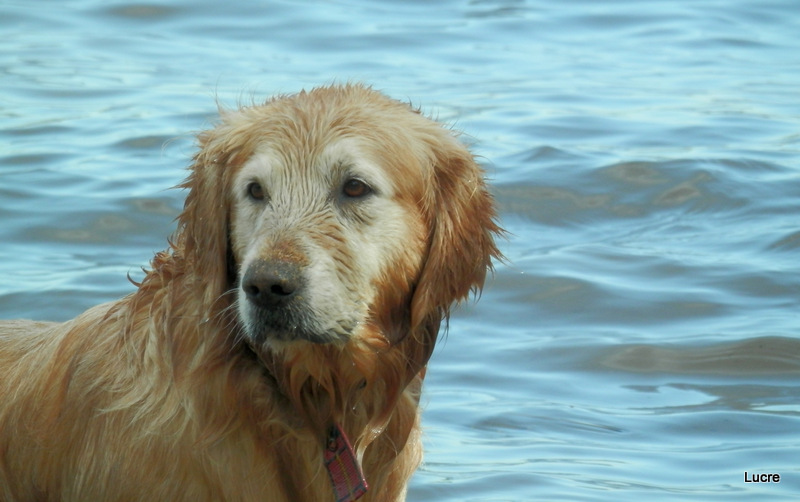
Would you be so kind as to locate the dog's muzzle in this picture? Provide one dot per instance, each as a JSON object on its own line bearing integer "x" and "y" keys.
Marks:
{"x": 278, "y": 304}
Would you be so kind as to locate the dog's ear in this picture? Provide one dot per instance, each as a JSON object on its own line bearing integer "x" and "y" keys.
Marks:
{"x": 462, "y": 230}
{"x": 202, "y": 239}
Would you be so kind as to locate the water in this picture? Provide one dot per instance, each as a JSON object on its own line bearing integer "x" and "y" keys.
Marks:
{"x": 641, "y": 341}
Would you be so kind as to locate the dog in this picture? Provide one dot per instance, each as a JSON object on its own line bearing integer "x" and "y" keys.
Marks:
{"x": 275, "y": 351}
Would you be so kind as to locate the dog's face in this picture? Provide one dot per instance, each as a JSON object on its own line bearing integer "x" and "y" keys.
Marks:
{"x": 317, "y": 225}
{"x": 344, "y": 213}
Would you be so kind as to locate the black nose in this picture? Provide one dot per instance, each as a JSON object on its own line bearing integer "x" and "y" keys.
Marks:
{"x": 272, "y": 283}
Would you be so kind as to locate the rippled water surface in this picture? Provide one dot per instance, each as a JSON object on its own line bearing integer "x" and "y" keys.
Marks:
{"x": 641, "y": 341}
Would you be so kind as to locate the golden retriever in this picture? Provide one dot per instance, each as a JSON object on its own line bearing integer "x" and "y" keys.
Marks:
{"x": 276, "y": 350}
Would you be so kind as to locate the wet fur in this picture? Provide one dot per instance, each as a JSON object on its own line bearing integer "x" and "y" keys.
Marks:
{"x": 164, "y": 395}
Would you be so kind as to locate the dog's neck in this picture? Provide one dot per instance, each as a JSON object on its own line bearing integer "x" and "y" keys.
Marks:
{"x": 329, "y": 391}
{"x": 323, "y": 385}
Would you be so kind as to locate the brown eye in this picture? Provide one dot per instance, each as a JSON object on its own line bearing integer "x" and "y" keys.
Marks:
{"x": 255, "y": 191}
{"x": 355, "y": 188}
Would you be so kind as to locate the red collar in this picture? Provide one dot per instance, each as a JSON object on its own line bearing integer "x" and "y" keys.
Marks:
{"x": 346, "y": 475}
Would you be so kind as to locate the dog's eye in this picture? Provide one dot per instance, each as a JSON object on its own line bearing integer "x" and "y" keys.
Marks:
{"x": 355, "y": 188}
{"x": 255, "y": 191}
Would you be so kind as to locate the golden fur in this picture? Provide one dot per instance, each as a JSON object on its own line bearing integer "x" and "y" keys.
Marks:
{"x": 183, "y": 391}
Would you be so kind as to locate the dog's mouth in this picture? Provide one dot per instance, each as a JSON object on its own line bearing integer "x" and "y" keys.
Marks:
{"x": 286, "y": 324}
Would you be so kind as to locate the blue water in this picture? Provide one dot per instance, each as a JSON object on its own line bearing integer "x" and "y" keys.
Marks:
{"x": 640, "y": 343}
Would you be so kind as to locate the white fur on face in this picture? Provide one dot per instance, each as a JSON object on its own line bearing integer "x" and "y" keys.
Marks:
{"x": 342, "y": 245}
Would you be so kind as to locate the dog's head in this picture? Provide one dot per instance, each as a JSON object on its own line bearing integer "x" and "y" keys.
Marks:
{"x": 336, "y": 218}
{"x": 332, "y": 210}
